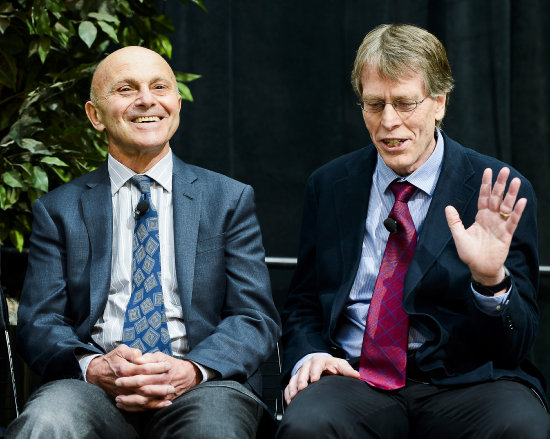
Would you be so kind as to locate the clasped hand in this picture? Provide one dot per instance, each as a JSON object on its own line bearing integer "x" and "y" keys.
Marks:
{"x": 142, "y": 382}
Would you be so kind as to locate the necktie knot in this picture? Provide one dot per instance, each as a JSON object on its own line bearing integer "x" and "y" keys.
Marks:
{"x": 403, "y": 191}
{"x": 142, "y": 182}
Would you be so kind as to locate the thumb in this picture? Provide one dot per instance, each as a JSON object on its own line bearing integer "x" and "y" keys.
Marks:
{"x": 453, "y": 220}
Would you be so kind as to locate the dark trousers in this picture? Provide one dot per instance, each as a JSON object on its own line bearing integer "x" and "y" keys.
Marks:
{"x": 343, "y": 407}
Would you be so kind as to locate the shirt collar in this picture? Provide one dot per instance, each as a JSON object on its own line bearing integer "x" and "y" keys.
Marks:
{"x": 120, "y": 174}
{"x": 424, "y": 178}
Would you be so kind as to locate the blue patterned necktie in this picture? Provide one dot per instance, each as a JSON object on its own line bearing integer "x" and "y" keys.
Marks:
{"x": 145, "y": 325}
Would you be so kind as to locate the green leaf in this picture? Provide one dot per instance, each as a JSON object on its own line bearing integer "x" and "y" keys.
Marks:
{"x": 186, "y": 77}
{"x": 65, "y": 177}
{"x": 40, "y": 179}
{"x": 27, "y": 167}
{"x": 109, "y": 30}
{"x": 34, "y": 194}
{"x": 87, "y": 32}
{"x": 2, "y": 197}
{"x": 200, "y": 4}
{"x": 162, "y": 45}
{"x": 54, "y": 161}
{"x": 34, "y": 146}
{"x": 43, "y": 48}
{"x": 185, "y": 93}
{"x": 42, "y": 22}
{"x": 4, "y": 24}
{"x": 25, "y": 125}
{"x": 12, "y": 195}
{"x": 60, "y": 29}
{"x": 6, "y": 8}
{"x": 13, "y": 178}
{"x": 124, "y": 8}
{"x": 102, "y": 16}
{"x": 17, "y": 239}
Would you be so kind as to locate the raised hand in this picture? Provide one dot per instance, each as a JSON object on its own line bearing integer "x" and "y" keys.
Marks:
{"x": 484, "y": 246}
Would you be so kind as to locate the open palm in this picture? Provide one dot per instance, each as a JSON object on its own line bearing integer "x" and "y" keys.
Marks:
{"x": 485, "y": 244}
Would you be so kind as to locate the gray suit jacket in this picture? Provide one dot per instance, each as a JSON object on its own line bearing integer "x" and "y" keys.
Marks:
{"x": 232, "y": 324}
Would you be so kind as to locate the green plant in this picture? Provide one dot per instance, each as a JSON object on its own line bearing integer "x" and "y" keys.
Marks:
{"x": 48, "y": 52}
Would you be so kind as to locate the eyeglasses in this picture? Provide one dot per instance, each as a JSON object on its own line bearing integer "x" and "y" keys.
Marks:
{"x": 401, "y": 105}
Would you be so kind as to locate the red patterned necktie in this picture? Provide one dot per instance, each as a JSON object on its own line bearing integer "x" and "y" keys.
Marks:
{"x": 384, "y": 352}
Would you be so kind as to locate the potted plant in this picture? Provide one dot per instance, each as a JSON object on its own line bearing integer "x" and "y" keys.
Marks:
{"x": 48, "y": 52}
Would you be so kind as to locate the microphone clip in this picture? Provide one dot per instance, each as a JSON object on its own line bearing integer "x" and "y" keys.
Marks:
{"x": 141, "y": 209}
{"x": 391, "y": 225}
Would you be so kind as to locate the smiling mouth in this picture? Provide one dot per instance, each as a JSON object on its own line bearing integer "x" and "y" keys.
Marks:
{"x": 147, "y": 119}
{"x": 392, "y": 143}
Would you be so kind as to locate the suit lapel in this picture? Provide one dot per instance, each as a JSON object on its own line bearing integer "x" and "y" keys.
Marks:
{"x": 454, "y": 188}
{"x": 351, "y": 199}
{"x": 98, "y": 219}
{"x": 187, "y": 203}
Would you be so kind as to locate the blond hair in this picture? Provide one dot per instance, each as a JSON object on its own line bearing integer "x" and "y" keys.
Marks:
{"x": 400, "y": 50}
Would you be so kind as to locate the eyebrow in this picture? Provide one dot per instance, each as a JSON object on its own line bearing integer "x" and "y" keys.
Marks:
{"x": 134, "y": 81}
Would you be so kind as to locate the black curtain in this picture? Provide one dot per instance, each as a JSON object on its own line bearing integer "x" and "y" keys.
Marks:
{"x": 275, "y": 102}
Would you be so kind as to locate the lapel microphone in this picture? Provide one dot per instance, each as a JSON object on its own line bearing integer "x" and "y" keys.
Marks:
{"x": 142, "y": 208}
{"x": 391, "y": 225}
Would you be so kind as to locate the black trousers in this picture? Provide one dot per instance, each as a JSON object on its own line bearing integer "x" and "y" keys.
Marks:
{"x": 343, "y": 407}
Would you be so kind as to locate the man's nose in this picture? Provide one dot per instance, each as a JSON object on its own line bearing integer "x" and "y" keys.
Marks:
{"x": 390, "y": 117}
{"x": 145, "y": 97}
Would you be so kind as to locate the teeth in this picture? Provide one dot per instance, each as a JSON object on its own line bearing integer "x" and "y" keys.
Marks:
{"x": 147, "y": 119}
{"x": 393, "y": 142}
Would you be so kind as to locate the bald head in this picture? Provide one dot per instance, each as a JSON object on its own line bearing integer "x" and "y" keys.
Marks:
{"x": 135, "y": 101}
{"x": 131, "y": 57}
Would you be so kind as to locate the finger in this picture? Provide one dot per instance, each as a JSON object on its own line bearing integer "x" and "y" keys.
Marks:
{"x": 132, "y": 369}
{"x": 507, "y": 205}
{"x": 514, "y": 218}
{"x": 453, "y": 221}
{"x": 302, "y": 376}
{"x": 127, "y": 352}
{"x": 137, "y": 381}
{"x": 498, "y": 189}
{"x": 156, "y": 357}
{"x": 291, "y": 389}
{"x": 485, "y": 189}
{"x": 318, "y": 367}
{"x": 345, "y": 369}
{"x": 138, "y": 403}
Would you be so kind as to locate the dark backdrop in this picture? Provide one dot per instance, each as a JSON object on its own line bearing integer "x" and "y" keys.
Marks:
{"x": 275, "y": 102}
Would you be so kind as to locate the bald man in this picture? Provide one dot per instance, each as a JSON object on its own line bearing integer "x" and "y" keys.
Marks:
{"x": 184, "y": 361}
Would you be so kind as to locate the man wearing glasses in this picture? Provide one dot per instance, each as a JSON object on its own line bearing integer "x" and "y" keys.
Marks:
{"x": 413, "y": 306}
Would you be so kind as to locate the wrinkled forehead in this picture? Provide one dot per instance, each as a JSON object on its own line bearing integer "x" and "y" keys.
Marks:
{"x": 373, "y": 76}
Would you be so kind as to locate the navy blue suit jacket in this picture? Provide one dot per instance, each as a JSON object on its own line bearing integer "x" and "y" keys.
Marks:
{"x": 464, "y": 345}
{"x": 232, "y": 324}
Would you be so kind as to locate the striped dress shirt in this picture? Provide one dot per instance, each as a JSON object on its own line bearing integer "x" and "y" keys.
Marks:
{"x": 349, "y": 334}
{"x": 107, "y": 331}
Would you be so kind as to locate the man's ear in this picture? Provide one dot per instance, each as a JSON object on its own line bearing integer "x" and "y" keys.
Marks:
{"x": 440, "y": 106}
{"x": 94, "y": 116}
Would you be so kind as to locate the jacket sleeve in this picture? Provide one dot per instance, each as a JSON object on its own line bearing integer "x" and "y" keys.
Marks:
{"x": 235, "y": 325}
{"x": 46, "y": 333}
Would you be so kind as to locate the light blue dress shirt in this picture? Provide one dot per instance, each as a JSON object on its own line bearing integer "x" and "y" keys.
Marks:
{"x": 349, "y": 334}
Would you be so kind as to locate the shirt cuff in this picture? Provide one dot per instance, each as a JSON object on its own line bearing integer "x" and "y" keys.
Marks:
{"x": 304, "y": 359}
{"x": 491, "y": 305}
{"x": 207, "y": 373}
{"x": 84, "y": 361}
